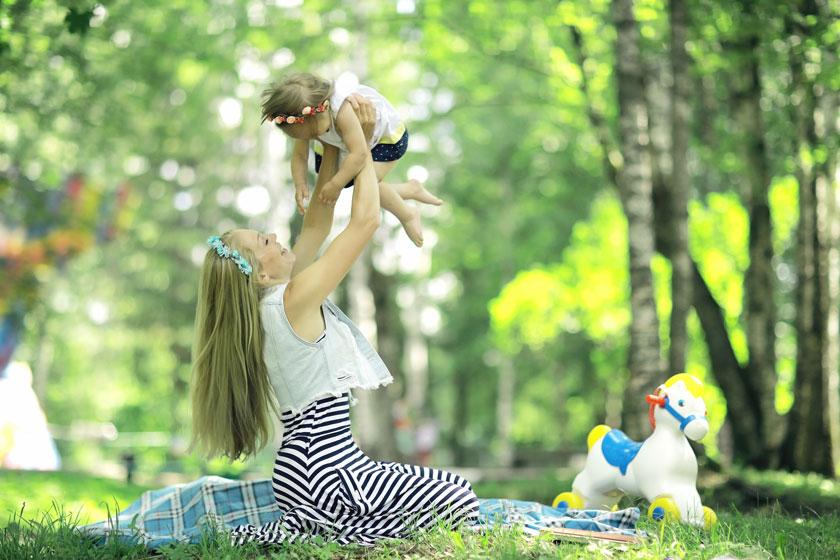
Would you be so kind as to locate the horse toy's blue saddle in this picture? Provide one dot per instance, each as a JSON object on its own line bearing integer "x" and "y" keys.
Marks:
{"x": 619, "y": 450}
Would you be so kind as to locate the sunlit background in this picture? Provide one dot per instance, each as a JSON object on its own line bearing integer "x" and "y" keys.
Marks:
{"x": 130, "y": 132}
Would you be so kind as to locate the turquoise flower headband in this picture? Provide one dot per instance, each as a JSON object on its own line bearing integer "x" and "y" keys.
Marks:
{"x": 224, "y": 251}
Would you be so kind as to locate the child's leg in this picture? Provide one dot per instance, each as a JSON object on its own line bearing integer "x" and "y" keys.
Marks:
{"x": 410, "y": 190}
{"x": 391, "y": 200}
{"x": 414, "y": 190}
{"x": 408, "y": 216}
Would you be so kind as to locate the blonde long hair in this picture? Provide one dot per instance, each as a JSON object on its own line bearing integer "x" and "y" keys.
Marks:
{"x": 232, "y": 398}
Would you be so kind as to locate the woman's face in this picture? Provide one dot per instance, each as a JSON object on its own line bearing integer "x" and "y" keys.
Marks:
{"x": 276, "y": 261}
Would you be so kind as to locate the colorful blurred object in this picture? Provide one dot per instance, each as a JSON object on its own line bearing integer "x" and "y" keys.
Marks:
{"x": 55, "y": 225}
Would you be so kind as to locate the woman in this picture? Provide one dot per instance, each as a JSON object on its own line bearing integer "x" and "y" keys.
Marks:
{"x": 267, "y": 339}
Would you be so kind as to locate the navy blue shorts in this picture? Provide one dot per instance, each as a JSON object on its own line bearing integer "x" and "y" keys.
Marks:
{"x": 380, "y": 152}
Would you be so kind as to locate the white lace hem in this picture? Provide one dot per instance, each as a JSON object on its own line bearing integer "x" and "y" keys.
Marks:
{"x": 295, "y": 410}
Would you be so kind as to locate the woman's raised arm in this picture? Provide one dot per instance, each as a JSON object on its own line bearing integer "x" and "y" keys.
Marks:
{"x": 318, "y": 219}
{"x": 311, "y": 286}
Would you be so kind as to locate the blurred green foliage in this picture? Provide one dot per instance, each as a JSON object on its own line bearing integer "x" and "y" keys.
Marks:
{"x": 530, "y": 248}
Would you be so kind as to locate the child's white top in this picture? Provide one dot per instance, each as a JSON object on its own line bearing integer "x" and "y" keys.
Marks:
{"x": 301, "y": 372}
{"x": 388, "y": 129}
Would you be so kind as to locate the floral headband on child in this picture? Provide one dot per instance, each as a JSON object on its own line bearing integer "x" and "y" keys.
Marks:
{"x": 224, "y": 251}
{"x": 308, "y": 110}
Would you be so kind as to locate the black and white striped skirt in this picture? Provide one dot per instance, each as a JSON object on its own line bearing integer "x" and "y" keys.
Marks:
{"x": 327, "y": 487}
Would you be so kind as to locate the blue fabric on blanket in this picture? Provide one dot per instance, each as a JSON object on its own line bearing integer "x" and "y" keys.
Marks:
{"x": 533, "y": 517}
{"x": 179, "y": 514}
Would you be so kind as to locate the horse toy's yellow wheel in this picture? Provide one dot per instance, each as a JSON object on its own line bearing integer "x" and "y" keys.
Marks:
{"x": 664, "y": 508}
{"x": 709, "y": 517}
{"x": 569, "y": 500}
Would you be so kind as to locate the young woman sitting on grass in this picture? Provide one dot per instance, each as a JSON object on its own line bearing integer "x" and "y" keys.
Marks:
{"x": 268, "y": 341}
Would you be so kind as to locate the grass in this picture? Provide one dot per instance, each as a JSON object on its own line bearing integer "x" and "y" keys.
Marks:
{"x": 79, "y": 493}
{"x": 49, "y": 529}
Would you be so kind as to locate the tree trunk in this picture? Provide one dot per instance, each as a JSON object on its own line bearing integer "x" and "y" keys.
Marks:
{"x": 728, "y": 373}
{"x": 415, "y": 359}
{"x": 460, "y": 415}
{"x": 730, "y": 376}
{"x": 704, "y": 131}
{"x": 375, "y": 428}
{"x": 827, "y": 183}
{"x": 634, "y": 181}
{"x": 658, "y": 102}
{"x": 506, "y": 387}
{"x": 741, "y": 403}
{"x": 805, "y": 446}
{"x": 681, "y": 277}
{"x": 390, "y": 337}
{"x": 759, "y": 307}
{"x": 374, "y": 408}
{"x": 504, "y": 410}
{"x": 611, "y": 156}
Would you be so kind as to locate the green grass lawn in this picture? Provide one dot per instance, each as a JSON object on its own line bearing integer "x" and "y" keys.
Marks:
{"x": 78, "y": 493}
{"x": 762, "y": 515}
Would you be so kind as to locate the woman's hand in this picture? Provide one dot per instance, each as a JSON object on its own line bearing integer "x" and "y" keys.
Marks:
{"x": 366, "y": 113}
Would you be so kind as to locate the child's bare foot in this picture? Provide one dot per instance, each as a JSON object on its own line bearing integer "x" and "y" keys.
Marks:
{"x": 412, "y": 226}
{"x": 415, "y": 190}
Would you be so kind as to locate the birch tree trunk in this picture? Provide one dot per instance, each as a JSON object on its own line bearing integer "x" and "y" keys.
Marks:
{"x": 634, "y": 181}
{"x": 759, "y": 281}
{"x": 808, "y": 431}
{"x": 729, "y": 374}
{"x": 374, "y": 409}
{"x": 727, "y": 371}
{"x": 827, "y": 181}
{"x": 681, "y": 277}
{"x": 828, "y": 187}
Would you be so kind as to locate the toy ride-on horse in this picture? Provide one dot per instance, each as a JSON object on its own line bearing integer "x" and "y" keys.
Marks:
{"x": 662, "y": 469}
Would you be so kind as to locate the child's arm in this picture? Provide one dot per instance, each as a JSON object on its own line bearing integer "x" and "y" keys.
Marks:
{"x": 350, "y": 129}
{"x": 300, "y": 161}
{"x": 318, "y": 219}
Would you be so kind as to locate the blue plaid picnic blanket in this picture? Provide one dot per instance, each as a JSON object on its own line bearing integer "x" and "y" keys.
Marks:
{"x": 181, "y": 513}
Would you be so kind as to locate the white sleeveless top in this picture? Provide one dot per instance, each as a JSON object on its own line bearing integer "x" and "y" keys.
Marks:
{"x": 388, "y": 129}
{"x": 301, "y": 372}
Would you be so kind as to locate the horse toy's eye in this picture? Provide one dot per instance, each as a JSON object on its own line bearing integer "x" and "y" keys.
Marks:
{"x": 681, "y": 402}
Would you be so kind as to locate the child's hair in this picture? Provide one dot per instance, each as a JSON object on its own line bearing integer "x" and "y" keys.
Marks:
{"x": 290, "y": 95}
{"x": 232, "y": 398}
